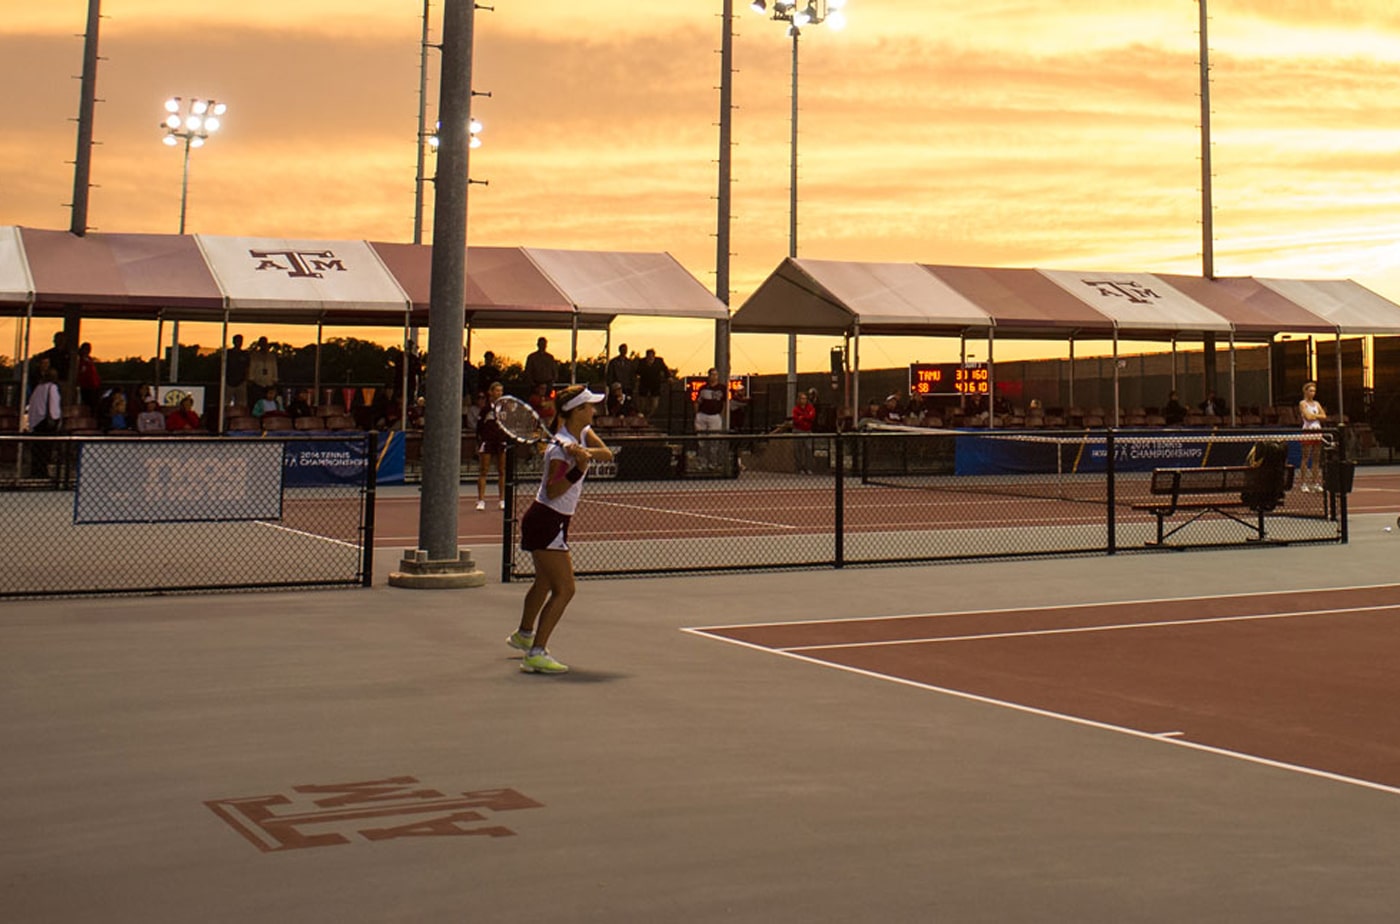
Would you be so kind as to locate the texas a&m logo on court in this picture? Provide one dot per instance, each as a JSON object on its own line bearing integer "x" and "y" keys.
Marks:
{"x": 1134, "y": 292}
{"x": 332, "y": 814}
{"x": 305, "y": 264}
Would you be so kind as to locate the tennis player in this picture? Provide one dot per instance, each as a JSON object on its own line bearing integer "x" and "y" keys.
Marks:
{"x": 1312, "y": 414}
{"x": 544, "y": 529}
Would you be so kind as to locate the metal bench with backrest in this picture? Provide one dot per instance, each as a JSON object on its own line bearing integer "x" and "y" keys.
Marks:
{"x": 1242, "y": 493}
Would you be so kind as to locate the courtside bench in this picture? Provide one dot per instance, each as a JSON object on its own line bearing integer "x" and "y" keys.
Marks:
{"x": 1242, "y": 493}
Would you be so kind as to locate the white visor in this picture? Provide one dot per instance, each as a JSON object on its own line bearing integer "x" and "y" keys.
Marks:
{"x": 583, "y": 397}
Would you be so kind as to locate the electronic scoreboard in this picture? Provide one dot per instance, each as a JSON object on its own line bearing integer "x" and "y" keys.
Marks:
{"x": 949, "y": 379}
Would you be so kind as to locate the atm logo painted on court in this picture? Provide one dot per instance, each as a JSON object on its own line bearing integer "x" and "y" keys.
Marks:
{"x": 334, "y": 814}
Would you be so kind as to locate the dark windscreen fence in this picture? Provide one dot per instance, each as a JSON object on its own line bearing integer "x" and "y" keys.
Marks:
{"x": 733, "y": 502}
{"x": 109, "y": 515}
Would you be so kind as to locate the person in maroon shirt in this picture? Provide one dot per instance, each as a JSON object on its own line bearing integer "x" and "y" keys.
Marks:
{"x": 804, "y": 417}
{"x": 183, "y": 417}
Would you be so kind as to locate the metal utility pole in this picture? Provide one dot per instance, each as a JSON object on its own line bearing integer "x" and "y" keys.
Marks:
{"x": 1207, "y": 207}
{"x": 82, "y": 181}
{"x": 87, "y": 106}
{"x": 438, "y": 562}
{"x": 726, "y": 152}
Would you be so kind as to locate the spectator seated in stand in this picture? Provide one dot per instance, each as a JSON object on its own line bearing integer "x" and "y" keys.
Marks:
{"x": 618, "y": 404}
{"x": 116, "y": 419}
{"x": 301, "y": 404}
{"x": 151, "y": 420}
{"x": 542, "y": 401}
{"x": 183, "y": 417}
{"x": 269, "y": 403}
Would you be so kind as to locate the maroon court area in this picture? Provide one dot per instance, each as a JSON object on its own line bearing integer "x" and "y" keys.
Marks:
{"x": 1305, "y": 679}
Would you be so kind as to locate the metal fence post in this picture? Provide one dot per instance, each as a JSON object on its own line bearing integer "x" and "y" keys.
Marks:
{"x": 1111, "y": 515}
{"x": 840, "y": 469}
{"x": 508, "y": 521}
{"x": 371, "y": 482}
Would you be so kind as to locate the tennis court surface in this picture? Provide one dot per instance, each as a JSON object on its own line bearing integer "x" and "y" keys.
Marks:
{"x": 375, "y": 755}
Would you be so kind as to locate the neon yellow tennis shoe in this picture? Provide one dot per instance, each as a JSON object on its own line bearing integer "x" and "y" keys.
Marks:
{"x": 542, "y": 663}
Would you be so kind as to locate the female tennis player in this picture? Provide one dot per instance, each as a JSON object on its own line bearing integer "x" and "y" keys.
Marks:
{"x": 1310, "y": 410}
{"x": 544, "y": 529}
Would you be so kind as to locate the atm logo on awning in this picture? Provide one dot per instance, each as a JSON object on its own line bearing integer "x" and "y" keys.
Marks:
{"x": 303, "y": 264}
{"x": 1134, "y": 292}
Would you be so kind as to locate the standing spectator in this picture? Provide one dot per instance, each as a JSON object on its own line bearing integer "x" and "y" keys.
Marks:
{"x": 709, "y": 418}
{"x": 804, "y": 417}
{"x": 470, "y": 387}
{"x": 651, "y": 377}
{"x": 262, "y": 367}
{"x": 89, "y": 382}
{"x": 489, "y": 373}
{"x": 542, "y": 400}
{"x": 236, "y": 373}
{"x": 490, "y": 444}
{"x": 622, "y": 370}
{"x": 45, "y": 417}
{"x": 57, "y": 358}
{"x": 540, "y": 367}
{"x": 183, "y": 417}
{"x": 269, "y": 403}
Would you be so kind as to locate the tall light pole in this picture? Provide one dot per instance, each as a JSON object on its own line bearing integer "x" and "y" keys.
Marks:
{"x": 193, "y": 126}
{"x": 797, "y": 16}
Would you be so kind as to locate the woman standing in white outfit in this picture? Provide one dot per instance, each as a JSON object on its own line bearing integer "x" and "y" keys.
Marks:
{"x": 1310, "y": 410}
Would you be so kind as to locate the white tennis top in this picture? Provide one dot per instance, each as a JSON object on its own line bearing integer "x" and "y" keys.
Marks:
{"x": 1312, "y": 407}
{"x": 567, "y": 502}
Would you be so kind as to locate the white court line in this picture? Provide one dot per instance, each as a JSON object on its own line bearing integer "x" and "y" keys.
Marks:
{"x": 690, "y": 513}
{"x": 1116, "y": 627}
{"x": 1073, "y": 720}
{"x": 1055, "y": 606}
{"x": 288, "y": 529}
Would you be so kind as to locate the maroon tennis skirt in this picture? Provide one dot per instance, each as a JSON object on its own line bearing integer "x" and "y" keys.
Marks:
{"x": 544, "y": 528}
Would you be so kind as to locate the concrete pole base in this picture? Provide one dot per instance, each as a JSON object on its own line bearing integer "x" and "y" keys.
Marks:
{"x": 418, "y": 572}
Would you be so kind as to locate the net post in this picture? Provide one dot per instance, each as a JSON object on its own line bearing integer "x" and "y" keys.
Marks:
{"x": 371, "y": 484}
{"x": 1110, "y": 515}
{"x": 839, "y": 468}
{"x": 508, "y": 521}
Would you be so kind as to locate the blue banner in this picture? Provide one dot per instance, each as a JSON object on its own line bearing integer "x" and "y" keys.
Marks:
{"x": 390, "y": 464}
{"x": 307, "y": 463}
{"x": 1088, "y": 452}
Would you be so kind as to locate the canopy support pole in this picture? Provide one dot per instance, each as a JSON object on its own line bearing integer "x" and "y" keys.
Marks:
{"x": 1270, "y": 377}
{"x": 573, "y": 351}
{"x": 24, "y": 383}
{"x": 1173, "y": 362}
{"x": 316, "y": 373}
{"x": 1117, "y": 393}
{"x": 1340, "y": 408}
{"x": 1071, "y": 372}
{"x": 160, "y": 338}
{"x": 407, "y": 360}
{"x": 223, "y": 374}
{"x": 1234, "y": 411}
{"x": 855, "y": 373}
{"x": 991, "y": 382}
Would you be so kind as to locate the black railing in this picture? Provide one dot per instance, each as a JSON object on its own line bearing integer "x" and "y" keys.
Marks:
{"x": 746, "y": 502}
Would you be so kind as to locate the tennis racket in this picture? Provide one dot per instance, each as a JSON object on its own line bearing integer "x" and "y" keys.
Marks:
{"x": 519, "y": 421}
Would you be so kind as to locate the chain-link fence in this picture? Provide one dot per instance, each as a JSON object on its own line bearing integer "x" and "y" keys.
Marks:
{"x": 728, "y": 502}
{"x": 143, "y": 514}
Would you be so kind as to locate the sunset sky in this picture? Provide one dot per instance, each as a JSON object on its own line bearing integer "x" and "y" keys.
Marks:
{"x": 1050, "y": 134}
